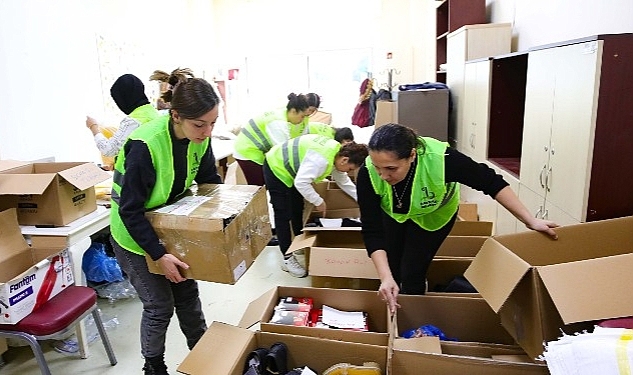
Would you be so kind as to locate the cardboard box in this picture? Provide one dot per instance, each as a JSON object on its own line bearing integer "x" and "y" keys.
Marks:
{"x": 218, "y": 230}
{"x": 261, "y": 311}
{"x": 340, "y": 252}
{"x": 49, "y": 193}
{"x": 29, "y": 276}
{"x": 339, "y": 203}
{"x": 386, "y": 112}
{"x": 450, "y": 358}
{"x": 540, "y": 286}
{"x": 344, "y": 283}
{"x": 468, "y": 212}
{"x": 223, "y": 350}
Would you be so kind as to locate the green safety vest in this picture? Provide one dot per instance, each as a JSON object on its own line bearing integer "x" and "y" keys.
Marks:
{"x": 253, "y": 141}
{"x": 433, "y": 201}
{"x": 156, "y": 136}
{"x": 144, "y": 113}
{"x": 284, "y": 159}
{"x": 321, "y": 128}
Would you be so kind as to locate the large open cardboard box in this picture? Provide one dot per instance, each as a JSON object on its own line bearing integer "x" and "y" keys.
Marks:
{"x": 49, "y": 193}
{"x": 223, "y": 350}
{"x": 218, "y": 230}
{"x": 29, "y": 276}
{"x": 261, "y": 311}
{"x": 540, "y": 286}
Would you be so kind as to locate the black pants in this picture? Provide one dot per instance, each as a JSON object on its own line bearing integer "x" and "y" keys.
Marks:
{"x": 410, "y": 250}
{"x": 287, "y": 205}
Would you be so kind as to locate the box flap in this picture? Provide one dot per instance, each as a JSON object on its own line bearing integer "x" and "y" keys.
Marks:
{"x": 18, "y": 184}
{"x": 472, "y": 228}
{"x": 84, "y": 175}
{"x": 591, "y": 289}
{"x": 467, "y": 212}
{"x": 256, "y": 309}
{"x": 495, "y": 272}
{"x": 429, "y": 344}
{"x": 11, "y": 239}
{"x": 10, "y": 164}
{"x": 218, "y": 351}
{"x": 302, "y": 241}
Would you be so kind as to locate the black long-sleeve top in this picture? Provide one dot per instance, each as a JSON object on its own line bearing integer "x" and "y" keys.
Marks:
{"x": 140, "y": 179}
{"x": 457, "y": 168}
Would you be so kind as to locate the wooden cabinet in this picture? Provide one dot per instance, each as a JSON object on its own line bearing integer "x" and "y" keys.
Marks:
{"x": 450, "y": 16}
{"x": 475, "y": 110}
{"x": 469, "y": 43}
{"x": 577, "y": 139}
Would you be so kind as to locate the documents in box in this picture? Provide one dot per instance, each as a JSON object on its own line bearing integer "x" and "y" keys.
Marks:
{"x": 218, "y": 230}
{"x": 540, "y": 286}
{"x": 28, "y": 276}
{"x": 49, "y": 193}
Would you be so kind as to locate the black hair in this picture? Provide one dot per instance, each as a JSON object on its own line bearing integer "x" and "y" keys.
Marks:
{"x": 193, "y": 98}
{"x": 297, "y": 102}
{"x": 343, "y": 134}
{"x": 314, "y": 100}
{"x": 356, "y": 152}
{"x": 395, "y": 138}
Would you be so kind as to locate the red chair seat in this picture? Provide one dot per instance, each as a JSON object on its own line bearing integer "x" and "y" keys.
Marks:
{"x": 57, "y": 313}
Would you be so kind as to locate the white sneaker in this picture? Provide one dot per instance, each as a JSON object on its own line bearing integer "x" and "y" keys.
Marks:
{"x": 292, "y": 266}
{"x": 300, "y": 255}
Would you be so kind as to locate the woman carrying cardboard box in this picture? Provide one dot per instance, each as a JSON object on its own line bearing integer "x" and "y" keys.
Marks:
{"x": 159, "y": 162}
{"x": 408, "y": 194}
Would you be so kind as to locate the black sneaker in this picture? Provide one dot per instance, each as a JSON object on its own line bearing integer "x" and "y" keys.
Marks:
{"x": 273, "y": 241}
{"x": 155, "y": 369}
{"x": 256, "y": 362}
{"x": 276, "y": 360}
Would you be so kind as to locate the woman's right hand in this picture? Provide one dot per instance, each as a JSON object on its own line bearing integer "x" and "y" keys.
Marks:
{"x": 169, "y": 265}
{"x": 321, "y": 208}
{"x": 389, "y": 291}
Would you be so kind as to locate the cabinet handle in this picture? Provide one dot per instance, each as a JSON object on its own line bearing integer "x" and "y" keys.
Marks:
{"x": 471, "y": 140}
{"x": 548, "y": 177}
{"x": 540, "y": 176}
{"x": 538, "y": 213}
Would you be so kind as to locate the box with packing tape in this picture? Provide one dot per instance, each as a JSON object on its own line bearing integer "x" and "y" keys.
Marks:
{"x": 218, "y": 230}
{"x": 29, "y": 276}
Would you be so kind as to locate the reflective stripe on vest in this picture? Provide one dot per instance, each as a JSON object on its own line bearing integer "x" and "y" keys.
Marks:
{"x": 264, "y": 145}
{"x": 292, "y": 169}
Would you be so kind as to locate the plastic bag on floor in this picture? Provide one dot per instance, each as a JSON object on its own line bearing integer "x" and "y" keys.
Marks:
{"x": 98, "y": 266}
{"x": 70, "y": 345}
{"x": 116, "y": 290}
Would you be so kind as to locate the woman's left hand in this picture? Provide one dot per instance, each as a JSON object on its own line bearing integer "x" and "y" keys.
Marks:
{"x": 544, "y": 226}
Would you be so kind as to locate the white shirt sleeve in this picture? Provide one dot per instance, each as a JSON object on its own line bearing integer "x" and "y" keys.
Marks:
{"x": 278, "y": 131}
{"x": 111, "y": 147}
{"x": 345, "y": 183}
{"x": 312, "y": 166}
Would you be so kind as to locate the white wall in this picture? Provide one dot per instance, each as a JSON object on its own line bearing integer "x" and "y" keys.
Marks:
{"x": 50, "y": 72}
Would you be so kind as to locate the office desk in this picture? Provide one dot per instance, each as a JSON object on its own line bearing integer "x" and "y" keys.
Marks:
{"x": 77, "y": 235}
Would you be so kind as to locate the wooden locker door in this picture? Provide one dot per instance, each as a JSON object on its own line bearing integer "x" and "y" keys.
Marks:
{"x": 539, "y": 99}
{"x": 573, "y": 126}
{"x": 481, "y": 111}
{"x": 468, "y": 103}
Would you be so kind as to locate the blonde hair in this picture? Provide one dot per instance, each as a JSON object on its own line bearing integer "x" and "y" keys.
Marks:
{"x": 174, "y": 78}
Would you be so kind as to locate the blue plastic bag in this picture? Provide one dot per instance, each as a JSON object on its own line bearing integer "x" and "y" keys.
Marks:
{"x": 99, "y": 267}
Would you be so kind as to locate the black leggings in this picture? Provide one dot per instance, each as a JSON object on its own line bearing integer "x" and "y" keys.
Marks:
{"x": 410, "y": 250}
{"x": 287, "y": 206}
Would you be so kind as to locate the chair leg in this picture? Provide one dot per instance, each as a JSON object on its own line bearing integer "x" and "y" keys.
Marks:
{"x": 104, "y": 336}
{"x": 35, "y": 347}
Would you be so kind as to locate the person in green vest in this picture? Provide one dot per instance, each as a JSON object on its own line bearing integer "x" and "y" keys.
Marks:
{"x": 290, "y": 169}
{"x": 408, "y": 194}
{"x": 342, "y": 135}
{"x": 128, "y": 93}
{"x": 157, "y": 164}
{"x": 261, "y": 133}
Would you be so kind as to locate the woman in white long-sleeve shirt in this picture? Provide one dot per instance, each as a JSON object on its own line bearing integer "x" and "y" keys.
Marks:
{"x": 128, "y": 92}
{"x": 290, "y": 169}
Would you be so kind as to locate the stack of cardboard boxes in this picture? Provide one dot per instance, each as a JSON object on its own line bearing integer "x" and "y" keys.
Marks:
{"x": 529, "y": 288}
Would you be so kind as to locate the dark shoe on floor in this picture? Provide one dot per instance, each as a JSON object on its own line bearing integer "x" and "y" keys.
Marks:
{"x": 256, "y": 362}
{"x": 276, "y": 359}
{"x": 155, "y": 368}
{"x": 273, "y": 241}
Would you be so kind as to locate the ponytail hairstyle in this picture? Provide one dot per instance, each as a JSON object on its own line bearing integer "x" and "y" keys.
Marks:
{"x": 356, "y": 152}
{"x": 297, "y": 102}
{"x": 177, "y": 76}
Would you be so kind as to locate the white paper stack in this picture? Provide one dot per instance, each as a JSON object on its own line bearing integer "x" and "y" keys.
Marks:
{"x": 606, "y": 351}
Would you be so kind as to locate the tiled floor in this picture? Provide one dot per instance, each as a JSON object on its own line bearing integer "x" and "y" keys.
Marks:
{"x": 225, "y": 303}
